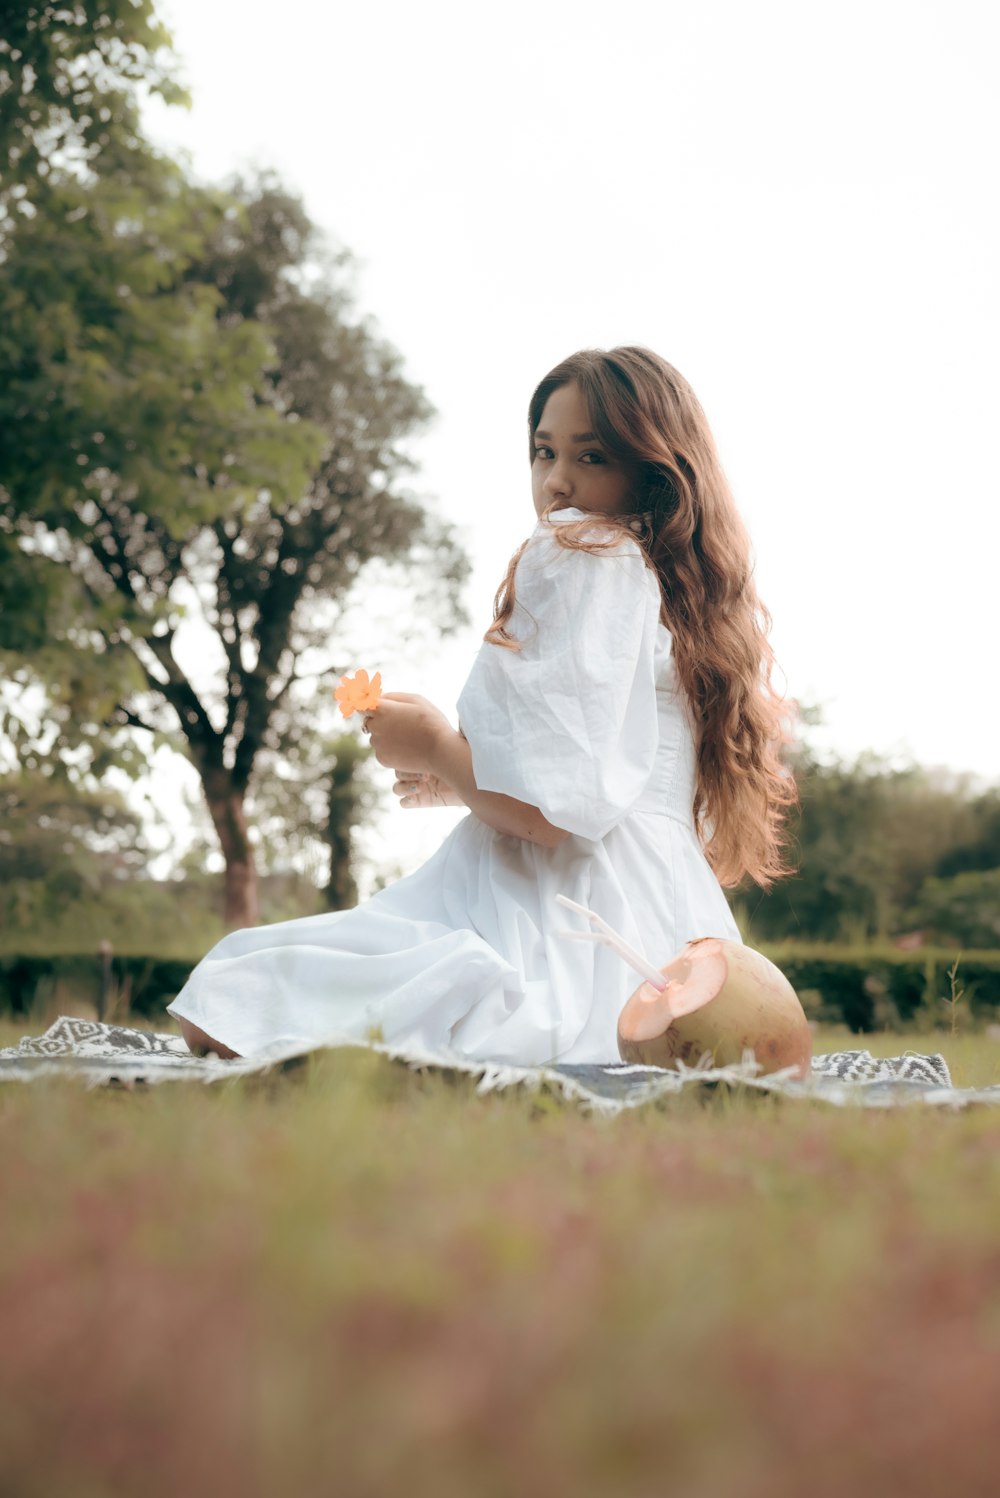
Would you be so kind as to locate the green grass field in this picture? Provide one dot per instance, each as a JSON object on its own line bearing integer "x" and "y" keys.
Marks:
{"x": 351, "y": 1278}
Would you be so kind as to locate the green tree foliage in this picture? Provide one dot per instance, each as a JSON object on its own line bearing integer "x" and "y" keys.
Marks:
{"x": 59, "y": 845}
{"x": 69, "y": 76}
{"x": 74, "y": 871}
{"x": 866, "y": 838}
{"x": 964, "y": 908}
{"x": 69, "y": 80}
{"x": 979, "y": 848}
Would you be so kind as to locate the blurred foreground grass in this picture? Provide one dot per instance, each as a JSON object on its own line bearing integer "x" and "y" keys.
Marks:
{"x": 351, "y": 1278}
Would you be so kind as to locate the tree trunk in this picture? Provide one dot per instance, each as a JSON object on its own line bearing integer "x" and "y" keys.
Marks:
{"x": 341, "y": 889}
{"x": 225, "y": 804}
{"x": 343, "y": 812}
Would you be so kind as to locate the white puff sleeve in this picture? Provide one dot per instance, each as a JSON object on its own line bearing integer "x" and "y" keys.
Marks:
{"x": 568, "y": 722}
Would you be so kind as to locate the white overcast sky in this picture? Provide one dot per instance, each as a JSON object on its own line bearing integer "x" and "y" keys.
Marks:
{"x": 795, "y": 204}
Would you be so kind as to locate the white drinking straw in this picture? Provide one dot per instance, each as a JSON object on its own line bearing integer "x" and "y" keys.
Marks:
{"x": 608, "y": 937}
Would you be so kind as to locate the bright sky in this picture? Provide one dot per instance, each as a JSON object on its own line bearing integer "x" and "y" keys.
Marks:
{"x": 793, "y": 204}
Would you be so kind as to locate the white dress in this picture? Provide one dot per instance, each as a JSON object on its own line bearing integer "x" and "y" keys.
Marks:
{"x": 463, "y": 956}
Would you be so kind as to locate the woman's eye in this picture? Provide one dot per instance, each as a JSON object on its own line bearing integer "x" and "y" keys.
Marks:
{"x": 546, "y": 452}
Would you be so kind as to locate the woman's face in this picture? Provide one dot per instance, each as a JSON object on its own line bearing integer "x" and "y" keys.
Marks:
{"x": 571, "y": 466}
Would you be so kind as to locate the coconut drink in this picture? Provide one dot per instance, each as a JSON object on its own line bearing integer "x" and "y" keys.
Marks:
{"x": 721, "y": 997}
{"x": 717, "y": 998}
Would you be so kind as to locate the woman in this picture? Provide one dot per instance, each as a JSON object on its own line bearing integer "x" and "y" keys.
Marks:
{"x": 619, "y": 743}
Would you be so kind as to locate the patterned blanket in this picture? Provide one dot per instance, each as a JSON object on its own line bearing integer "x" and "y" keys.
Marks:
{"x": 113, "y": 1054}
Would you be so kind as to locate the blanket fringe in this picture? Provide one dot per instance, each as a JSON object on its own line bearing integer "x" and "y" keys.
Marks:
{"x": 101, "y": 1053}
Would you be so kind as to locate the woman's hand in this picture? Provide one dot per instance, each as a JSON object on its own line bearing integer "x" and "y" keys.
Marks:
{"x": 420, "y": 788}
{"x": 406, "y": 730}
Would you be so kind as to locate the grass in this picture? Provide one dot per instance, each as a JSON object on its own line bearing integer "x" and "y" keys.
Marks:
{"x": 351, "y": 1278}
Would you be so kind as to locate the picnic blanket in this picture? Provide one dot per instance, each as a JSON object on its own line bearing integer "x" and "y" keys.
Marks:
{"x": 103, "y": 1054}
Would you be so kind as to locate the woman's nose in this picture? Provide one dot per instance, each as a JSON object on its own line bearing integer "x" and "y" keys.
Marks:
{"x": 557, "y": 481}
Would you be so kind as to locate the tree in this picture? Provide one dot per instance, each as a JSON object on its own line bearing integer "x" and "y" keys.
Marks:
{"x": 164, "y": 464}
{"x": 867, "y": 836}
{"x": 58, "y": 843}
{"x": 347, "y": 800}
{"x": 979, "y": 848}
{"x": 130, "y": 424}
{"x": 273, "y": 267}
{"x": 964, "y": 909}
{"x": 306, "y": 809}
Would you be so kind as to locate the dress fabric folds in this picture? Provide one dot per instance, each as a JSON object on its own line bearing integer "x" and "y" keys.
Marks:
{"x": 464, "y": 957}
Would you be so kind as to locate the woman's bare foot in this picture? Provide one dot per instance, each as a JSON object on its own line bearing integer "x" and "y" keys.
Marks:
{"x": 201, "y": 1044}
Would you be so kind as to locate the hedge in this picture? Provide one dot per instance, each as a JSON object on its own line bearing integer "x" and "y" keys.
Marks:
{"x": 142, "y": 986}
{"x": 866, "y": 990}
{"x": 885, "y": 988}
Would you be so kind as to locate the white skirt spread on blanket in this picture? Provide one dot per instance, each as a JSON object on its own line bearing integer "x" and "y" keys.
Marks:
{"x": 586, "y": 722}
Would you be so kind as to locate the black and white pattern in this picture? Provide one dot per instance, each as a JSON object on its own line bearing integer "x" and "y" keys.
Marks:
{"x": 85, "y": 1038}
{"x": 862, "y": 1066}
{"x": 103, "y": 1054}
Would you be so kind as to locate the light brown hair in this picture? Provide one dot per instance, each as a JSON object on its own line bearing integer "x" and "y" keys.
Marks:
{"x": 692, "y": 536}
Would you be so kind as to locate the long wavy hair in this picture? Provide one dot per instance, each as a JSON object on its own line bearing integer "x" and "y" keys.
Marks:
{"x": 692, "y": 537}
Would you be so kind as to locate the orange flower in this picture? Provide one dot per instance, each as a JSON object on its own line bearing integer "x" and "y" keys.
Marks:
{"x": 356, "y": 694}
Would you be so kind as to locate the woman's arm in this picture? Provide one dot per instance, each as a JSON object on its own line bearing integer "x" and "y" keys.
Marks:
{"x": 409, "y": 730}
{"x": 451, "y": 757}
